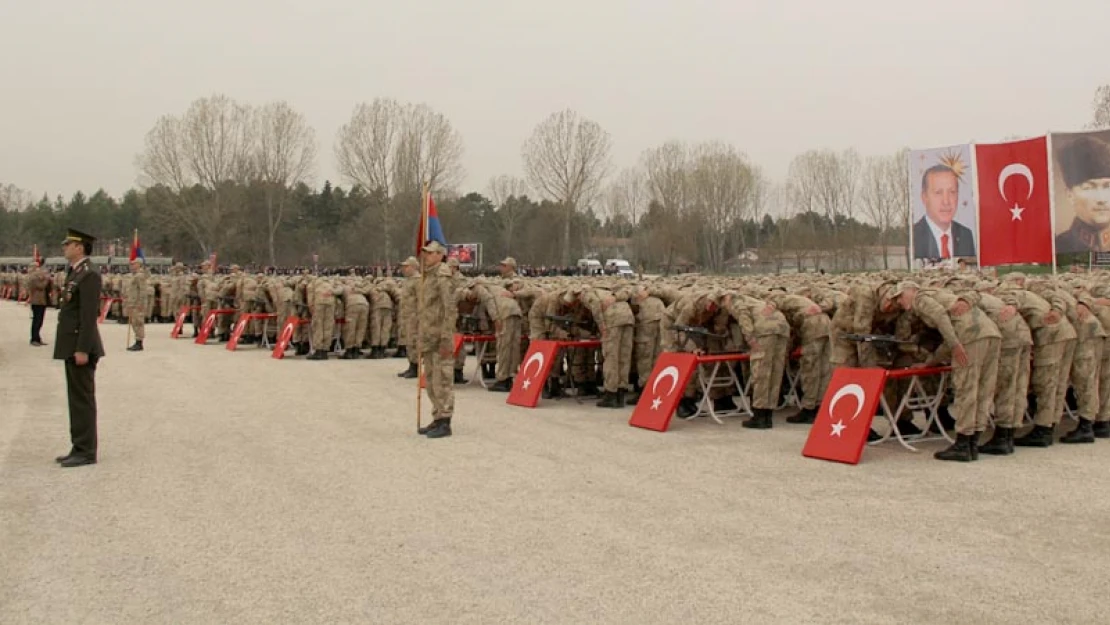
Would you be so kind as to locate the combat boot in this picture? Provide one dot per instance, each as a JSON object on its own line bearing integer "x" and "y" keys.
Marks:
{"x": 318, "y": 354}
{"x": 633, "y": 397}
{"x": 409, "y": 373}
{"x": 301, "y": 349}
{"x": 687, "y": 407}
{"x": 960, "y": 451}
{"x": 1083, "y": 433}
{"x": 402, "y": 352}
{"x": 424, "y": 429}
{"x": 609, "y": 400}
{"x": 502, "y": 386}
{"x": 1039, "y": 436}
{"x": 553, "y": 389}
{"x": 1101, "y": 429}
{"x": 973, "y": 445}
{"x": 1001, "y": 444}
{"x": 724, "y": 404}
{"x": 348, "y": 354}
{"x": 137, "y": 347}
{"x": 760, "y": 419}
{"x": 588, "y": 389}
{"x": 805, "y": 416}
{"x": 440, "y": 428}
{"x": 459, "y": 379}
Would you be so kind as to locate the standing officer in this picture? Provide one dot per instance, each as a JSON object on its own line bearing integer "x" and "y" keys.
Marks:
{"x": 38, "y": 283}
{"x": 438, "y": 311}
{"x": 134, "y": 303}
{"x": 78, "y": 344}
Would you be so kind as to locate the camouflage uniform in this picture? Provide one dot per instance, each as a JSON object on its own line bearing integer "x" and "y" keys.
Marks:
{"x": 134, "y": 300}
{"x": 767, "y": 334}
{"x": 811, "y": 327}
{"x": 438, "y": 313}
{"x": 615, "y": 323}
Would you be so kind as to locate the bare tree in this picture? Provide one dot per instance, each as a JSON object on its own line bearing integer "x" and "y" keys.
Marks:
{"x": 13, "y": 198}
{"x": 1100, "y": 109}
{"x": 879, "y": 200}
{"x": 503, "y": 190}
{"x": 395, "y": 149}
{"x": 212, "y": 144}
{"x": 624, "y": 200}
{"x": 565, "y": 159}
{"x": 720, "y": 183}
{"x": 899, "y": 186}
{"x": 285, "y": 155}
{"x": 666, "y": 171}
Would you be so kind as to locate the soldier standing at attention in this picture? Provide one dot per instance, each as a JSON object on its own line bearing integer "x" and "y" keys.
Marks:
{"x": 407, "y": 317}
{"x": 438, "y": 311}
{"x": 134, "y": 301}
{"x": 38, "y": 283}
{"x": 78, "y": 344}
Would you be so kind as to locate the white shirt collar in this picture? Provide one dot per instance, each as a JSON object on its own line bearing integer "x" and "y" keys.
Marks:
{"x": 937, "y": 231}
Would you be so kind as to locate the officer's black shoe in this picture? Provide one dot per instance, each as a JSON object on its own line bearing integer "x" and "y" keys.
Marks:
{"x": 687, "y": 407}
{"x": 77, "y": 461}
{"x": 805, "y": 416}
{"x": 401, "y": 352}
{"x": 459, "y": 379}
{"x": 1001, "y": 444}
{"x": 440, "y": 429}
{"x": 36, "y": 343}
{"x": 409, "y": 373}
{"x": 960, "y": 451}
{"x": 1039, "y": 436}
{"x": 137, "y": 347}
{"x": 61, "y": 459}
{"x": 1083, "y": 433}
{"x": 724, "y": 404}
{"x": 609, "y": 400}
{"x": 502, "y": 386}
{"x": 760, "y": 420}
{"x": 1101, "y": 429}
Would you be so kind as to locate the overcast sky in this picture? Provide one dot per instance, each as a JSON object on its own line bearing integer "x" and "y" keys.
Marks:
{"x": 83, "y": 81}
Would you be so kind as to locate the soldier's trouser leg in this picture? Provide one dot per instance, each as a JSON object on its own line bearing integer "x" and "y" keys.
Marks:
{"x": 646, "y": 349}
{"x": 355, "y": 315}
{"x": 386, "y": 327}
{"x": 975, "y": 385}
{"x": 1104, "y": 383}
{"x": 439, "y": 377}
{"x": 460, "y": 359}
{"x": 625, "y": 354}
{"x": 813, "y": 371}
{"x": 1045, "y": 377}
{"x": 361, "y": 323}
{"x": 842, "y": 352}
{"x": 1011, "y": 387}
{"x": 580, "y": 361}
{"x": 1084, "y": 376}
{"x": 411, "y": 351}
{"x": 323, "y": 327}
{"x": 375, "y": 327}
{"x": 767, "y": 364}
{"x": 138, "y": 326}
{"x": 1063, "y": 375}
{"x": 508, "y": 348}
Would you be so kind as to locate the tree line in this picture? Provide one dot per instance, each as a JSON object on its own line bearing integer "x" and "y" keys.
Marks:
{"x": 238, "y": 180}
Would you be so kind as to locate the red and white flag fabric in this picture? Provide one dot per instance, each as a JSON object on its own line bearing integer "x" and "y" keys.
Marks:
{"x": 1015, "y": 216}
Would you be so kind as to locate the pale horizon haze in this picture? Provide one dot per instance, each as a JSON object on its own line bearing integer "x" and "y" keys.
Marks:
{"x": 84, "y": 81}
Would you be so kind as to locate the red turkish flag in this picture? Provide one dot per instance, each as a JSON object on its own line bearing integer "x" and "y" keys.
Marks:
{"x": 840, "y": 431}
{"x": 1015, "y": 218}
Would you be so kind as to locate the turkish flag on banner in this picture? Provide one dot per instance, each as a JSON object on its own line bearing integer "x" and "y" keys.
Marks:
{"x": 840, "y": 430}
{"x": 1015, "y": 219}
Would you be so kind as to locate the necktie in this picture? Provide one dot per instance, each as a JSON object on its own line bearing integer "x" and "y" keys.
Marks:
{"x": 944, "y": 253}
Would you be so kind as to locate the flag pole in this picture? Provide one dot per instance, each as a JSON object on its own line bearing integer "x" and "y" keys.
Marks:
{"x": 1051, "y": 194}
{"x": 420, "y": 308}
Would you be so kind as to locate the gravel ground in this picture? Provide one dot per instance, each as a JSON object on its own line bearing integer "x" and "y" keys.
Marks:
{"x": 233, "y": 488}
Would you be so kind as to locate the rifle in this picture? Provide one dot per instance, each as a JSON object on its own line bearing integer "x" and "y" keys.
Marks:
{"x": 567, "y": 323}
{"x": 699, "y": 335}
{"x": 885, "y": 344}
{"x": 468, "y": 324}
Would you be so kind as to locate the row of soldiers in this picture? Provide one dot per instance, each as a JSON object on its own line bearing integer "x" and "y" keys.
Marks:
{"x": 1017, "y": 344}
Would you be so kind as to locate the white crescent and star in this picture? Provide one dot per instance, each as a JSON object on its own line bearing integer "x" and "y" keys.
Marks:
{"x": 668, "y": 372}
{"x": 534, "y": 358}
{"x": 1015, "y": 169}
{"x": 856, "y": 391}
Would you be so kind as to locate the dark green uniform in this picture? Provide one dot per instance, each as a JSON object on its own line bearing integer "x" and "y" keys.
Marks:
{"x": 77, "y": 332}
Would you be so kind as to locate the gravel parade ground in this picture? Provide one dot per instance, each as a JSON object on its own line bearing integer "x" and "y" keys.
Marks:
{"x": 233, "y": 488}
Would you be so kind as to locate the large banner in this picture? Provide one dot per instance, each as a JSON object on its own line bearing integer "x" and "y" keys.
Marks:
{"x": 1081, "y": 164}
{"x": 469, "y": 255}
{"x": 942, "y": 204}
{"x": 1015, "y": 210}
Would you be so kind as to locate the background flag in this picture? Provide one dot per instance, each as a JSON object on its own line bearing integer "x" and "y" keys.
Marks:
{"x": 430, "y": 229}
{"x": 1015, "y": 217}
{"x": 136, "y": 248}
{"x": 35, "y": 255}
